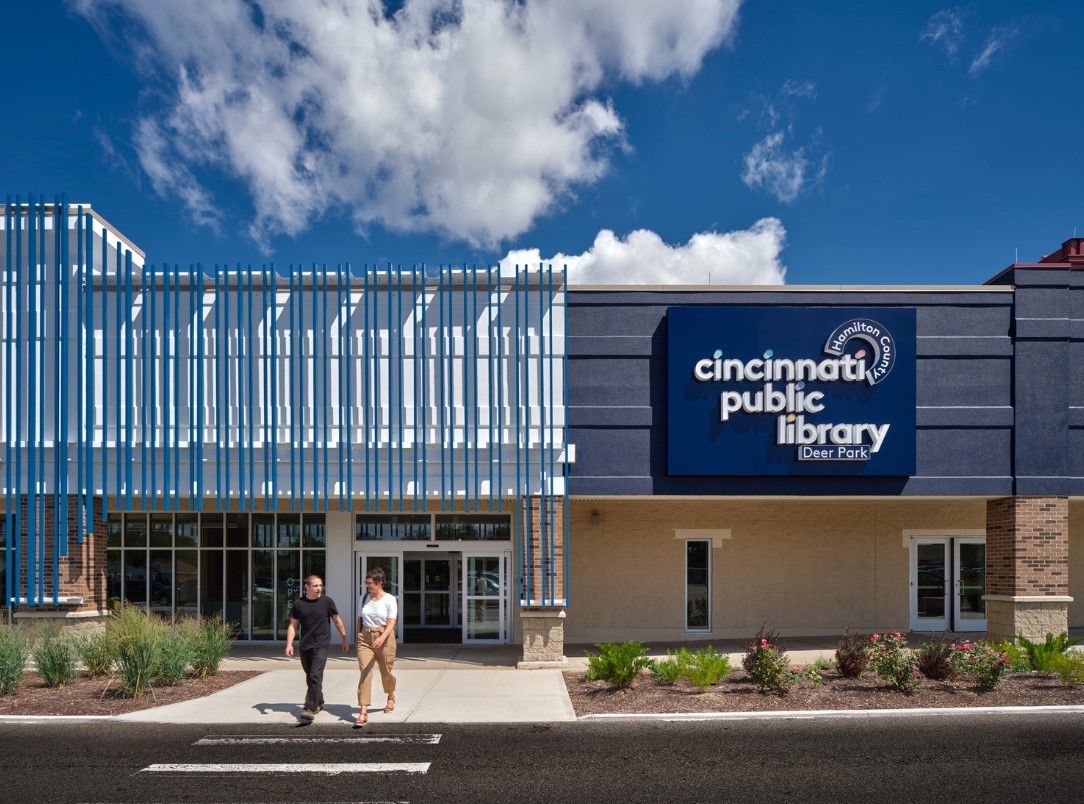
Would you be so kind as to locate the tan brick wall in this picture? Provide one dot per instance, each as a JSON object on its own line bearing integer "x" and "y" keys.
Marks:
{"x": 82, "y": 571}
{"x": 1076, "y": 563}
{"x": 1027, "y": 546}
{"x": 801, "y": 567}
{"x": 545, "y": 563}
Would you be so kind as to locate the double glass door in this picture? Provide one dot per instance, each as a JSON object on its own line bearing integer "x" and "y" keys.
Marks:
{"x": 446, "y": 596}
{"x": 948, "y": 581}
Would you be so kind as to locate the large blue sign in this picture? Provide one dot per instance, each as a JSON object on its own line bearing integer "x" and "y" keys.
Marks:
{"x": 791, "y": 391}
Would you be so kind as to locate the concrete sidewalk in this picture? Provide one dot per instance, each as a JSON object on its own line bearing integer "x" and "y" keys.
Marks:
{"x": 436, "y": 684}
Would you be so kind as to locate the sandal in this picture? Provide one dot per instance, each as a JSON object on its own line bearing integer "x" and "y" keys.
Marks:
{"x": 390, "y": 705}
{"x": 361, "y": 721}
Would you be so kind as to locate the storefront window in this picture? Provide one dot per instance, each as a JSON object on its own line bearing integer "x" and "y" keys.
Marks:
{"x": 396, "y": 528}
{"x": 244, "y": 569}
{"x": 698, "y": 585}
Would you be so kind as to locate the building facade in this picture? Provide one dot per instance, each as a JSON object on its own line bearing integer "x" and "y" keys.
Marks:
{"x": 533, "y": 463}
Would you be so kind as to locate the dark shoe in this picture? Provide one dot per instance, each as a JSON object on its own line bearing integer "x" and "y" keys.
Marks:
{"x": 307, "y": 714}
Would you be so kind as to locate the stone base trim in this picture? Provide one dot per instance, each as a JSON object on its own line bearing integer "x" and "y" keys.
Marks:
{"x": 543, "y": 638}
{"x": 1033, "y": 619}
{"x": 559, "y": 665}
{"x": 1030, "y": 598}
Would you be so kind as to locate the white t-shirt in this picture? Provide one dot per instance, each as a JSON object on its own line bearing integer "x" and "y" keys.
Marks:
{"x": 376, "y": 613}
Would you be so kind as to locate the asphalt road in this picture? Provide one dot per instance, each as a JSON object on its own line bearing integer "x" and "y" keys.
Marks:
{"x": 989, "y": 758}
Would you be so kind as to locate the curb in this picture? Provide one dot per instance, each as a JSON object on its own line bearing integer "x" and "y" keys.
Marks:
{"x": 811, "y": 714}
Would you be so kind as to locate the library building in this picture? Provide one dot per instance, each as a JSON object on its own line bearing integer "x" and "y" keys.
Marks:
{"x": 534, "y": 463}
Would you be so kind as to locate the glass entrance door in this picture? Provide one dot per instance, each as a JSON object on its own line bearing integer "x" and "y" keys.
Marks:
{"x": 430, "y": 600}
{"x": 929, "y": 585}
{"x": 948, "y": 581}
{"x": 969, "y": 607}
{"x": 485, "y": 598}
{"x": 391, "y": 564}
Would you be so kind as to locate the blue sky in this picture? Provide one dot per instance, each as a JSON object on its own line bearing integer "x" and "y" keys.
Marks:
{"x": 637, "y": 141}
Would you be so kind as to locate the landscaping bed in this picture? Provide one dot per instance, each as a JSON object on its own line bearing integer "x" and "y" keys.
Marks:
{"x": 93, "y": 696}
{"x": 738, "y": 693}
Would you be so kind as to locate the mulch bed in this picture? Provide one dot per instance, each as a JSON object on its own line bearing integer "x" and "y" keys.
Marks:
{"x": 97, "y": 696}
{"x": 739, "y": 694}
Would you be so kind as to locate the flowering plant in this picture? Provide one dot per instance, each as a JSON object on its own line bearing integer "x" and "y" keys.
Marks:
{"x": 894, "y": 661}
{"x": 768, "y": 667}
{"x": 985, "y": 662}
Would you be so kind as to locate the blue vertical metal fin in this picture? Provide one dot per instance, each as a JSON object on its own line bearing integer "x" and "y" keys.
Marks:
{"x": 88, "y": 398}
{"x": 518, "y": 434}
{"x": 341, "y": 452}
{"x": 218, "y": 298}
{"x": 490, "y": 368}
{"x": 175, "y": 503}
{"x": 549, "y": 437}
{"x": 9, "y": 431}
{"x": 129, "y": 394}
{"x": 425, "y": 392}
{"x": 399, "y": 406}
{"x": 391, "y": 401}
{"x": 565, "y": 541}
{"x": 118, "y": 432}
{"x": 294, "y": 373}
{"x": 500, "y": 387}
{"x": 32, "y": 408}
{"x": 80, "y": 298}
{"x": 415, "y": 379}
{"x": 325, "y": 402}
{"x": 472, "y": 384}
{"x": 349, "y": 324}
{"x": 250, "y": 408}
{"x": 543, "y": 497}
{"x": 441, "y": 367}
{"x": 105, "y": 376}
{"x": 201, "y": 388}
{"x": 367, "y": 385}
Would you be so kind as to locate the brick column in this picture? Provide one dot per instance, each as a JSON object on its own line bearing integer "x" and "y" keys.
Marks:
{"x": 542, "y": 607}
{"x": 1027, "y": 566}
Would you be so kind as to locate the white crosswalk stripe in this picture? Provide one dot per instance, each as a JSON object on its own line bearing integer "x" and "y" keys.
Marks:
{"x": 325, "y": 768}
{"x": 244, "y": 739}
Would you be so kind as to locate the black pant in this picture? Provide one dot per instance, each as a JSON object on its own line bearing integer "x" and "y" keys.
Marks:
{"x": 312, "y": 662}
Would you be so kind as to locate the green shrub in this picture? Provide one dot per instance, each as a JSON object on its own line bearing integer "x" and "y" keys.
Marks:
{"x": 768, "y": 668}
{"x": 771, "y": 637}
{"x": 14, "y": 656}
{"x": 669, "y": 670}
{"x": 984, "y": 662}
{"x": 815, "y": 672}
{"x": 894, "y": 661}
{"x": 1018, "y": 658}
{"x": 209, "y": 643}
{"x": 136, "y": 635}
{"x": 1041, "y": 654}
{"x": 707, "y": 667}
{"x": 56, "y": 659}
{"x": 1070, "y": 667}
{"x": 97, "y": 653}
{"x": 617, "y": 665}
{"x": 174, "y": 653}
{"x": 935, "y": 659}
{"x": 852, "y": 655}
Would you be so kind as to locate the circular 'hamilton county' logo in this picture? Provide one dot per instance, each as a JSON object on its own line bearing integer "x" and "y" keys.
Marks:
{"x": 882, "y": 355}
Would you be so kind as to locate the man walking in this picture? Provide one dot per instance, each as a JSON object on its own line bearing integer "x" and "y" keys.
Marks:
{"x": 311, "y": 611}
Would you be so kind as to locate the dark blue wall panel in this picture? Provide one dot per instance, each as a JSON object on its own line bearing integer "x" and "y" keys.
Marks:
{"x": 966, "y": 394}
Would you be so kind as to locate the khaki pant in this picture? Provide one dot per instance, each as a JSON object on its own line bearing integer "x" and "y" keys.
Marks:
{"x": 383, "y": 657}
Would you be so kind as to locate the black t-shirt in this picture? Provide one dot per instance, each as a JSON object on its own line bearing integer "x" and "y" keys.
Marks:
{"x": 312, "y": 617}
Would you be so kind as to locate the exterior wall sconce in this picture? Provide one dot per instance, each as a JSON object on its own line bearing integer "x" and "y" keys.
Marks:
{"x": 594, "y": 517}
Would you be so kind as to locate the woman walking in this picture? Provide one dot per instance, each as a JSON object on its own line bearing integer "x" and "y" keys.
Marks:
{"x": 377, "y": 611}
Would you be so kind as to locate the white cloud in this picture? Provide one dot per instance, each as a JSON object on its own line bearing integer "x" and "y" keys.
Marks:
{"x": 744, "y": 257}
{"x": 995, "y": 42}
{"x": 173, "y": 180}
{"x": 469, "y": 118}
{"x": 784, "y": 173}
{"x": 946, "y": 29}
